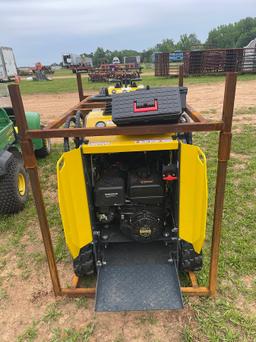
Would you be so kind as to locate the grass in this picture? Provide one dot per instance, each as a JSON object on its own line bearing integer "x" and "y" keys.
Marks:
{"x": 245, "y": 110}
{"x": 230, "y": 316}
{"x": 52, "y": 313}
{"x": 73, "y": 335}
{"x": 63, "y": 72}
{"x": 148, "y": 319}
{"x": 81, "y": 303}
{"x": 47, "y": 321}
{"x": 29, "y": 335}
{"x": 225, "y": 319}
{"x": 65, "y": 85}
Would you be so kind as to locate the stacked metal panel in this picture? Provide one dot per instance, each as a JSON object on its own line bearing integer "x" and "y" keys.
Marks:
{"x": 162, "y": 64}
{"x": 219, "y": 61}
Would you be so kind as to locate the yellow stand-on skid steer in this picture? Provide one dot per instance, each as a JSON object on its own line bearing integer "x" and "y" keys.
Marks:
{"x": 134, "y": 207}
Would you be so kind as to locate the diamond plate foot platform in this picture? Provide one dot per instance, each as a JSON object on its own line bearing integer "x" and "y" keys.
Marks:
{"x": 137, "y": 277}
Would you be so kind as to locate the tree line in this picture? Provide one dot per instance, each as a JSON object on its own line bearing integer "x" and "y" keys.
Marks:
{"x": 235, "y": 35}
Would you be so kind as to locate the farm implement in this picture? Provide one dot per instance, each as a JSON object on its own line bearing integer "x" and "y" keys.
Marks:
{"x": 106, "y": 72}
{"x": 133, "y": 195}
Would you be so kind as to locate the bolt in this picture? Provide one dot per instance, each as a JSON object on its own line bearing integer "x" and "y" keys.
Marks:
{"x": 104, "y": 236}
{"x": 166, "y": 234}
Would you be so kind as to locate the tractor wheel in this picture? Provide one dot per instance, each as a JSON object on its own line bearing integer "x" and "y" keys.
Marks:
{"x": 84, "y": 263}
{"x": 189, "y": 260}
{"x": 45, "y": 150}
{"x": 13, "y": 188}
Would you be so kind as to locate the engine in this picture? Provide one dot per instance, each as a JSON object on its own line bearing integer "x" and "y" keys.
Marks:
{"x": 132, "y": 197}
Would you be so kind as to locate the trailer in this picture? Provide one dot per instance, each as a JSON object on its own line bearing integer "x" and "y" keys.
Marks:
{"x": 132, "y": 59}
{"x": 8, "y": 67}
{"x": 77, "y": 62}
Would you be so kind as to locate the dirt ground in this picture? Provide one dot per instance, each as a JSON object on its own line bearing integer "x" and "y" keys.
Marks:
{"x": 28, "y": 301}
{"x": 206, "y": 98}
{"x": 203, "y": 97}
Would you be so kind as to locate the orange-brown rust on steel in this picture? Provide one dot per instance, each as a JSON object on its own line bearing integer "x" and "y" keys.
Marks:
{"x": 181, "y": 75}
{"x": 194, "y": 115}
{"x": 30, "y": 161}
{"x": 127, "y": 130}
{"x": 223, "y": 157}
{"x": 80, "y": 86}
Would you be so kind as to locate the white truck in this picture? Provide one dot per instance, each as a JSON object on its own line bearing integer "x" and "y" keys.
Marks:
{"x": 8, "y": 67}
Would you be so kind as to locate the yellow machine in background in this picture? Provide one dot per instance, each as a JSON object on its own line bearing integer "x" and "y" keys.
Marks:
{"x": 134, "y": 212}
{"x": 119, "y": 88}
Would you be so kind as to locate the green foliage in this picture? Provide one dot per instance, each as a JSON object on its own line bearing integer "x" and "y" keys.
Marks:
{"x": 106, "y": 56}
{"x": 166, "y": 45}
{"x": 146, "y": 55}
{"x": 99, "y": 56}
{"x": 188, "y": 42}
{"x": 232, "y": 35}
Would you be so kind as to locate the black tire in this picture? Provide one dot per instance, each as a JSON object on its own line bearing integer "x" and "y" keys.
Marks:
{"x": 189, "y": 260}
{"x": 11, "y": 199}
{"x": 84, "y": 264}
{"x": 186, "y": 137}
{"x": 45, "y": 150}
{"x": 79, "y": 122}
{"x": 70, "y": 119}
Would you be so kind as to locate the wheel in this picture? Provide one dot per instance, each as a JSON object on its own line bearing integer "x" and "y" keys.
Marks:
{"x": 189, "y": 260}
{"x": 84, "y": 263}
{"x": 45, "y": 150}
{"x": 13, "y": 187}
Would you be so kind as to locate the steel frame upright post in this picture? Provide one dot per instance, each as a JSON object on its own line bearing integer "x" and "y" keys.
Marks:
{"x": 225, "y": 138}
{"x": 31, "y": 165}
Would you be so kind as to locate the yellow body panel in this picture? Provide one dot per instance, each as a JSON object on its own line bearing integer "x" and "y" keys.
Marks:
{"x": 130, "y": 144}
{"x": 193, "y": 196}
{"x": 121, "y": 143}
{"x": 95, "y": 116}
{"x": 73, "y": 201}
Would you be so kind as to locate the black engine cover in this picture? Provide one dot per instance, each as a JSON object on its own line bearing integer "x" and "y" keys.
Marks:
{"x": 145, "y": 187}
{"x": 143, "y": 226}
{"x": 109, "y": 191}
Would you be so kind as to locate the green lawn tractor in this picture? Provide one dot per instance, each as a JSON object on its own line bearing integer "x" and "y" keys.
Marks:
{"x": 13, "y": 176}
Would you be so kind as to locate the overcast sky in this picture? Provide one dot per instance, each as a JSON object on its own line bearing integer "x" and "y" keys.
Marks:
{"x": 44, "y": 30}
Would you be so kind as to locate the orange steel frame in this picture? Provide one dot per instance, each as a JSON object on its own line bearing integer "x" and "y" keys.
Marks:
{"x": 198, "y": 123}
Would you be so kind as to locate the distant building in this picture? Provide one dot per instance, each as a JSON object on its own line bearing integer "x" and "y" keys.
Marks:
{"x": 249, "y": 59}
